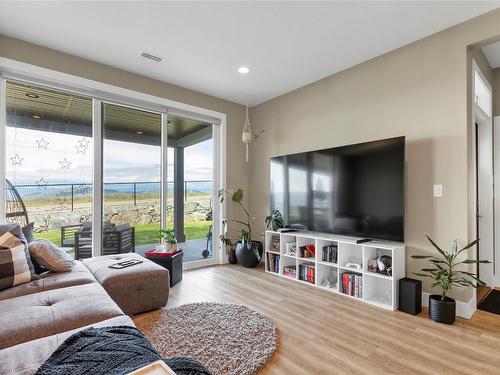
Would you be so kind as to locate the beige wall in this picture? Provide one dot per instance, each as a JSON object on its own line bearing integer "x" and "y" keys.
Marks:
{"x": 419, "y": 91}
{"x": 496, "y": 92}
{"x": 51, "y": 59}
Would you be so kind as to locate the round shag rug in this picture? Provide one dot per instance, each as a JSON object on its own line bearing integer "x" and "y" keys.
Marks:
{"x": 228, "y": 339}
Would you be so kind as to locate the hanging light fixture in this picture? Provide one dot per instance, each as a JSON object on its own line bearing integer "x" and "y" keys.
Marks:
{"x": 246, "y": 136}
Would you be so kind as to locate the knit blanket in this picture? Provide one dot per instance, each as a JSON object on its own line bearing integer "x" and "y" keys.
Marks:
{"x": 111, "y": 351}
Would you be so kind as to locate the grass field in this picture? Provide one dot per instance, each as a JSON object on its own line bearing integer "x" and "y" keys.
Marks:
{"x": 144, "y": 233}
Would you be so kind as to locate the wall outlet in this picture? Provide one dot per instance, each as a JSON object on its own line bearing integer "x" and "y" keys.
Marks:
{"x": 438, "y": 191}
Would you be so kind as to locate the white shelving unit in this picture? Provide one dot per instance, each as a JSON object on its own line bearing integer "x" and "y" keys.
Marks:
{"x": 375, "y": 288}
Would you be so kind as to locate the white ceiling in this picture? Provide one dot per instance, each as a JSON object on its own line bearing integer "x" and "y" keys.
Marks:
{"x": 492, "y": 53}
{"x": 286, "y": 45}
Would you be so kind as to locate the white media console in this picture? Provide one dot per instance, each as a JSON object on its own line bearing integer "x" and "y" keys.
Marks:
{"x": 281, "y": 258}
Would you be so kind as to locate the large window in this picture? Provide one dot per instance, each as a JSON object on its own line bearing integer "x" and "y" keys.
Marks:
{"x": 49, "y": 157}
{"x": 51, "y": 164}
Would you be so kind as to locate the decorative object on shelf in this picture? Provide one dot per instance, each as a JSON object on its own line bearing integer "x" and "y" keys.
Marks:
{"x": 42, "y": 143}
{"x": 274, "y": 221}
{"x": 291, "y": 249}
{"x": 372, "y": 265}
{"x": 276, "y": 243}
{"x": 447, "y": 273}
{"x": 384, "y": 265}
{"x": 168, "y": 235}
{"x": 355, "y": 263}
{"x": 248, "y": 252}
{"x": 330, "y": 282}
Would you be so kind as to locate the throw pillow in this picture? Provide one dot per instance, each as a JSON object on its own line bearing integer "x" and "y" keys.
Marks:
{"x": 28, "y": 232}
{"x": 50, "y": 256}
{"x": 15, "y": 262}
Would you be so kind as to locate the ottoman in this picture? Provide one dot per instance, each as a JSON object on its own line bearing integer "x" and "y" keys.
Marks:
{"x": 139, "y": 288}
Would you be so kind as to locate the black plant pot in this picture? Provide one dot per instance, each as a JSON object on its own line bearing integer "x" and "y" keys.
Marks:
{"x": 442, "y": 311}
{"x": 231, "y": 256}
{"x": 246, "y": 255}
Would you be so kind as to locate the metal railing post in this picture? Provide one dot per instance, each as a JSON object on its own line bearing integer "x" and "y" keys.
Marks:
{"x": 135, "y": 194}
{"x": 72, "y": 197}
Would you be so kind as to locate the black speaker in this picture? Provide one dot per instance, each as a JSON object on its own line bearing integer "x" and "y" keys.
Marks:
{"x": 410, "y": 296}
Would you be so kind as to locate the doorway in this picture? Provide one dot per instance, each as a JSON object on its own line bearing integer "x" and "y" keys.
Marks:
{"x": 485, "y": 197}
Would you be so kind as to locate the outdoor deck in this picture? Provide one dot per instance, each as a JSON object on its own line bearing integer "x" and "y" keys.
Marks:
{"x": 192, "y": 249}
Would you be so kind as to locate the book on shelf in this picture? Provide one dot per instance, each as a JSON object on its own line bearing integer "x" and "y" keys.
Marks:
{"x": 290, "y": 271}
{"x": 273, "y": 262}
{"x": 307, "y": 273}
{"x": 352, "y": 284}
{"x": 329, "y": 253}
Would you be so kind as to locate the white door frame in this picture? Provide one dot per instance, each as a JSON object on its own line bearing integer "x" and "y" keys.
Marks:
{"x": 14, "y": 70}
{"x": 484, "y": 181}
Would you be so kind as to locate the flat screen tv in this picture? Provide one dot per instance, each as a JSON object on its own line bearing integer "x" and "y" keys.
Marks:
{"x": 356, "y": 190}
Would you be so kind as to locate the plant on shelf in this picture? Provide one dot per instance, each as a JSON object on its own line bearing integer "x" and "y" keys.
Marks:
{"x": 247, "y": 252}
{"x": 447, "y": 273}
{"x": 168, "y": 235}
{"x": 274, "y": 221}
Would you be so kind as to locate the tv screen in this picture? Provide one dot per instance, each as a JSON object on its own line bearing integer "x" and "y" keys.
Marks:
{"x": 355, "y": 190}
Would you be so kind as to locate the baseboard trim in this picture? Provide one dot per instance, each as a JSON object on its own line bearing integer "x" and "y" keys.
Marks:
{"x": 464, "y": 309}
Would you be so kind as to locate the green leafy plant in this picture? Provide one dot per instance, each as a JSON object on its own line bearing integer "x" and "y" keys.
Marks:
{"x": 445, "y": 270}
{"x": 245, "y": 233}
{"x": 274, "y": 221}
{"x": 168, "y": 235}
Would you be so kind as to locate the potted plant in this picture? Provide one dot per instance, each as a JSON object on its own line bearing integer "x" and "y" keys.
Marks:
{"x": 248, "y": 252}
{"x": 274, "y": 221}
{"x": 168, "y": 236}
{"x": 447, "y": 273}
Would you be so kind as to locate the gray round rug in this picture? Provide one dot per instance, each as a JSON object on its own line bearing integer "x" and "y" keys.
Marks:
{"x": 228, "y": 339}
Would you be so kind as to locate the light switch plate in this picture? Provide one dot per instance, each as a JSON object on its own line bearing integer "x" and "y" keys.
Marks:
{"x": 438, "y": 191}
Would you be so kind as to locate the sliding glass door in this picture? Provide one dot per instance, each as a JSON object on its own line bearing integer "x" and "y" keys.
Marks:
{"x": 191, "y": 185}
{"x": 131, "y": 179}
{"x": 75, "y": 163}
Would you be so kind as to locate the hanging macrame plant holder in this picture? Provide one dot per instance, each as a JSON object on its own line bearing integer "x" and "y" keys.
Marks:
{"x": 246, "y": 136}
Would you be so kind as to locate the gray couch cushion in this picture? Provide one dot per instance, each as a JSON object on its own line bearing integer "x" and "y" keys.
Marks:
{"x": 50, "y": 256}
{"x": 79, "y": 275}
{"x": 135, "y": 289}
{"x": 26, "y": 358}
{"x": 33, "y": 316}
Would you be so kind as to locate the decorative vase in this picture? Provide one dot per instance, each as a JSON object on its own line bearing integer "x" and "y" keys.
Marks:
{"x": 246, "y": 253}
{"x": 172, "y": 247}
{"x": 231, "y": 255}
{"x": 442, "y": 311}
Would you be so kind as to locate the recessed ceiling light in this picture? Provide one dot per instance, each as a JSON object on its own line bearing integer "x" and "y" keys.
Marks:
{"x": 243, "y": 69}
{"x": 30, "y": 95}
{"x": 139, "y": 133}
{"x": 150, "y": 56}
{"x": 36, "y": 117}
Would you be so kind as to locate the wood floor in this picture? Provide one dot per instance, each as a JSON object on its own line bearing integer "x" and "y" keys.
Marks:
{"x": 324, "y": 333}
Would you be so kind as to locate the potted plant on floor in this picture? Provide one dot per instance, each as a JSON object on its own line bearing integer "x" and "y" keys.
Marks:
{"x": 274, "y": 221}
{"x": 168, "y": 236}
{"x": 447, "y": 272}
{"x": 248, "y": 252}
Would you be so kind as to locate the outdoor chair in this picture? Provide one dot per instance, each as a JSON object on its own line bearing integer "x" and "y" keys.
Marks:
{"x": 116, "y": 239}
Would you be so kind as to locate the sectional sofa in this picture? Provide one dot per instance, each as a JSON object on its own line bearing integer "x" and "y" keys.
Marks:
{"x": 38, "y": 316}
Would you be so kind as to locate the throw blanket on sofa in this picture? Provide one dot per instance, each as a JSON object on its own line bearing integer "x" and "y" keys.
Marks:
{"x": 113, "y": 351}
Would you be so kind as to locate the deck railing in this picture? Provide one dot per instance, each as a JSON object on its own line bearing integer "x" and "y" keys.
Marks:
{"x": 134, "y": 189}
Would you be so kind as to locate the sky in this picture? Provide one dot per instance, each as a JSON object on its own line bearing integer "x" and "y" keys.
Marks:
{"x": 68, "y": 158}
